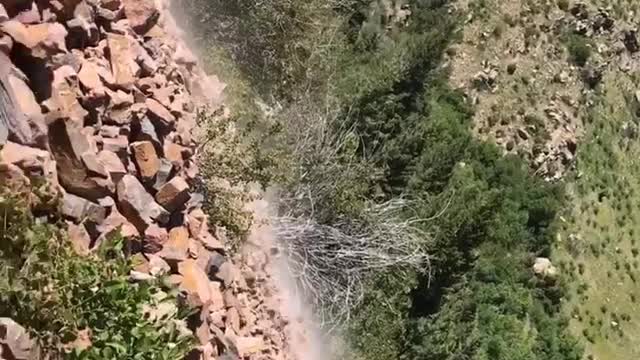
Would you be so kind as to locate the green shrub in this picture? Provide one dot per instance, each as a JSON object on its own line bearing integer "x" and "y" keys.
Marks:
{"x": 55, "y": 294}
{"x": 579, "y": 49}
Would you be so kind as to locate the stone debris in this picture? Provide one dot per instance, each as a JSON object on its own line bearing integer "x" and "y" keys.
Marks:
{"x": 101, "y": 110}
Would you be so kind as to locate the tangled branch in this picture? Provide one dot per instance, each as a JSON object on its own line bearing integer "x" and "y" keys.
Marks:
{"x": 332, "y": 263}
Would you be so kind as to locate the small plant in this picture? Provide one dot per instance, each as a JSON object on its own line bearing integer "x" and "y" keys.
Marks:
{"x": 563, "y": 5}
{"x": 579, "y": 49}
{"x": 57, "y": 295}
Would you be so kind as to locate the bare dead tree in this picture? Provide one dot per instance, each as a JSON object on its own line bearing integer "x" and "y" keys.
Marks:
{"x": 333, "y": 263}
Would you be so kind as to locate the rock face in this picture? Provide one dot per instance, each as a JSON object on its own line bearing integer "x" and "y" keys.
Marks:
{"x": 98, "y": 114}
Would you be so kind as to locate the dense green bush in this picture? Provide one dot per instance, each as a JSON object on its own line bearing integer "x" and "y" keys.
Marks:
{"x": 579, "y": 49}
{"x": 56, "y": 295}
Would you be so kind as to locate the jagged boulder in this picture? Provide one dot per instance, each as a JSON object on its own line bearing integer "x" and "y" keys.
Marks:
{"x": 146, "y": 159}
{"x": 142, "y": 14}
{"x": 15, "y": 343}
{"x": 40, "y": 40}
{"x": 123, "y": 66}
{"x": 173, "y": 194}
{"x": 137, "y": 205}
{"x": 68, "y": 144}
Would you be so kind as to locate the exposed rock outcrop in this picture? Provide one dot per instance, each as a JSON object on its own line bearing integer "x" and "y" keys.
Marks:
{"x": 100, "y": 109}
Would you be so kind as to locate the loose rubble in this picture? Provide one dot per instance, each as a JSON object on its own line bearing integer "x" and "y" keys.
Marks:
{"x": 99, "y": 113}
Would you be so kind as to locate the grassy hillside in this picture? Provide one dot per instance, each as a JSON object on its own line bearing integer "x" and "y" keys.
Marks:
{"x": 553, "y": 82}
{"x": 597, "y": 249}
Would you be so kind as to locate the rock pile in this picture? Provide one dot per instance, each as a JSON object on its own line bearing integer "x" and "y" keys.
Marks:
{"x": 97, "y": 117}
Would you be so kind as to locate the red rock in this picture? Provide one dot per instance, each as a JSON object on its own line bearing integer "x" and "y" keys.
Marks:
{"x": 155, "y": 32}
{"x": 83, "y": 31}
{"x": 175, "y": 280}
{"x": 29, "y": 16}
{"x": 119, "y": 116}
{"x": 6, "y": 44}
{"x": 173, "y": 194}
{"x": 89, "y": 77}
{"x": 120, "y": 99}
{"x": 35, "y": 164}
{"x": 247, "y": 345}
{"x": 174, "y": 152}
{"x": 142, "y": 14}
{"x": 72, "y": 59}
{"x": 195, "y": 283}
{"x": 64, "y": 96}
{"x": 227, "y": 273}
{"x": 148, "y": 65}
{"x": 27, "y": 158}
{"x": 159, "y": 114}
{"x": 15, "y": 341}
{"x": 184, "y": 56}
{"x": 123, "y": 66}
{"x": 116, "y": 222}
{"x": 198, "y": 227}
{"x": 117, "y": 145}
{"x": 72, "y": 137}
{"x": 112, "y": 5}
{"x": 154, "y": 239}
{"x": 112, "y": 164}
{"x": 3, "y": 14}
{"x": 22, "y": 118}
{"x": 68, "y": 143}
{"x": 79, "y": 209}
{"x": 233, "y": 320}
{"x": 217, "y": 299}
{"x": 146, "y": 159}
{"x": 137, "y": 205}
{"x": 79, "y": 237}
{"x": 95, "y": 166}
{"x": 40, "y": 39}
{"x": 177, "y": 247}
{"x": 157, "y": 266}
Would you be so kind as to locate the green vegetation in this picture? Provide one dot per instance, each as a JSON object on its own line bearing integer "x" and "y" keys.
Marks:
{"x": 598, "y": 240}
{"x": 367, "y": 116}
{"x": 579, "y": 49}
{"x": 57, "y": 295}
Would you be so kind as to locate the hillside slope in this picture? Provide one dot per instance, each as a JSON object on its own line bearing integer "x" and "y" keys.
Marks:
{"x": 555, "y": 82}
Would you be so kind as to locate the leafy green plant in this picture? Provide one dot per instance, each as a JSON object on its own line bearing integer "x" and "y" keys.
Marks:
{"x": 57, "y": 295}
{"x": 579, "y": 49}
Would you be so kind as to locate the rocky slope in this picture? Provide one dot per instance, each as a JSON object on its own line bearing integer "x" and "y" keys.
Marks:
{"x": 98, "y": 104}
{"x": 517, "y": 64}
